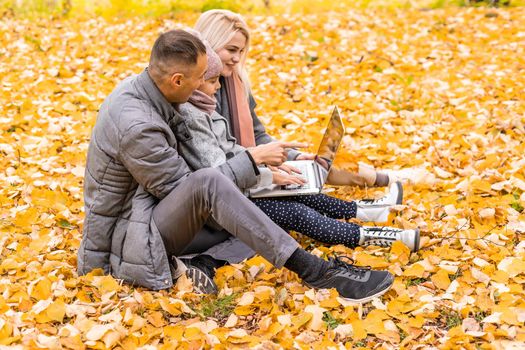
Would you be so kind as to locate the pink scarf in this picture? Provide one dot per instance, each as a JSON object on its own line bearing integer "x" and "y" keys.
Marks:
{"x": 203, "y": 102}
{"x": 241, "y": 118}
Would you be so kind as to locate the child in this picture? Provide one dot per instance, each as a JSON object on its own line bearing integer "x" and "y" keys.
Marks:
{"x": 205, "y": 141}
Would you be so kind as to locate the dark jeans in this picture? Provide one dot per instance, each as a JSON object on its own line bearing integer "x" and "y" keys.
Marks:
{"x": 205, "y": 239}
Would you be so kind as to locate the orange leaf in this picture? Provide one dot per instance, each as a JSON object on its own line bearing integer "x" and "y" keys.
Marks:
{"x": 441, "y": 279}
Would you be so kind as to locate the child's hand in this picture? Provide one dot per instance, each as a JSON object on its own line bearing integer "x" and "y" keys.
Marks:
{"x": 273, "y": 153}
{"x": 281, "y": 178}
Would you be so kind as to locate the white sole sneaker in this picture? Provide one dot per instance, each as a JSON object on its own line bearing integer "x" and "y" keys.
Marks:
{"x": 369, "y": 298}
{"x": 386, "y": 236}
{"x": 377, "y": 210}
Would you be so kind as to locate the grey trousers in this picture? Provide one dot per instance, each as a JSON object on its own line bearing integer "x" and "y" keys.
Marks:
{"x": 207, "y": 195}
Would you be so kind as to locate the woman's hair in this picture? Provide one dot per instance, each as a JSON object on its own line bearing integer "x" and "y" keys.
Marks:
{"x": 218, "y": 27}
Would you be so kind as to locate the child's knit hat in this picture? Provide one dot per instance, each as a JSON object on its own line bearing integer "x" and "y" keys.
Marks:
{"x": 214, "y": 62}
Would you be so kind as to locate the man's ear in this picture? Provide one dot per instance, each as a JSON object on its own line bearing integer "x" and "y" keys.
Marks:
{"x": 176, "y": 79}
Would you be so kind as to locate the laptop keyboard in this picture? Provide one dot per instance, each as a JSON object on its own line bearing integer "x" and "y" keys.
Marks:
{"x": 304, "y": 173}
{"x": 295, "y": 187}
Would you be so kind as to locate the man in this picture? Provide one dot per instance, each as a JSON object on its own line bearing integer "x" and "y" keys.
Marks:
{"x": 144, "y": 204}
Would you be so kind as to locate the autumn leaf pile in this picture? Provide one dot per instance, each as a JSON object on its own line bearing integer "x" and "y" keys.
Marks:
{"x": 436, "y": 96}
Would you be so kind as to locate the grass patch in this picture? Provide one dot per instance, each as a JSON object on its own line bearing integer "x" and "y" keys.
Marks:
{"x": 450, "y": 318}
{"x": 218, "y": 308}
{"x": 415, "y": 281}
{"x": 360, "y": 344}
{"x": 330, "y": 320}
{"x": 458, "y": 273}
{"x": 65, "y": 224}
{"x": 516, "y": 205}
{"x": 480, "y": 315}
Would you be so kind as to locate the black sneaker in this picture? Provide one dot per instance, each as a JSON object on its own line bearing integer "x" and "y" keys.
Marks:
{"x": 201, "y": 275}
{"x": 356, "y": 284}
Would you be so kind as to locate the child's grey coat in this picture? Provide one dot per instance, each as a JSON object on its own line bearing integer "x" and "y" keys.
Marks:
{"x": 205, "y": 141}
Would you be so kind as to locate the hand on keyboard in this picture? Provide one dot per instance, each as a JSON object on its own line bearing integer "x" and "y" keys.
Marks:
{"x": 284, "y": 179}
{"x": 290, "y": 169}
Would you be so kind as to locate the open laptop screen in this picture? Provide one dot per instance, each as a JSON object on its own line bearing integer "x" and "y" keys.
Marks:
{"x": 329, "y": 144}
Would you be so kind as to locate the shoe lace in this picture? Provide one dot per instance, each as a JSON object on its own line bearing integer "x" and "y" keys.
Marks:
{"x": 383, "y": 232}
{"x": 373, "y": 201}
{"x": 347, "y": 263}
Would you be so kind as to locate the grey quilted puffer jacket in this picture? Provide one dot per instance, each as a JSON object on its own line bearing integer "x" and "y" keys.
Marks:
{"x": 132, "y": 164}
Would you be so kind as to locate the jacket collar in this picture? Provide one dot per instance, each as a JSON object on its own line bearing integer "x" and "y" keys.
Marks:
{"x": 150, "y": 90}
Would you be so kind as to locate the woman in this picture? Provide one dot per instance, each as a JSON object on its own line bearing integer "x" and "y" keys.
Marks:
{"x": 205, "y": 141}
{"x": 228, "y": 35}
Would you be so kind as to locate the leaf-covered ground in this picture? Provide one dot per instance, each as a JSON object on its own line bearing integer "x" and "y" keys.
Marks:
{"x": 437, "y": 92}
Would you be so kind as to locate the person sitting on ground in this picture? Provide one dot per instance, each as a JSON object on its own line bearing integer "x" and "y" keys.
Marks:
{"x": 205, "y": 141}
{"x": 143, "y": 203}
{"x": 229, "y": 36}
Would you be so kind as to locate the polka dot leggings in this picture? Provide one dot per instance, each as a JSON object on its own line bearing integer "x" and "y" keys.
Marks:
{"x": 314, "y": 216}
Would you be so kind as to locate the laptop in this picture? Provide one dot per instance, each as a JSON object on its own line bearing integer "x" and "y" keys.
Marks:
{"x": 315, "y": 171}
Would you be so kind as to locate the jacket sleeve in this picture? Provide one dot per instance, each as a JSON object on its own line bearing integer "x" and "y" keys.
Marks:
{"x": 266, "y": 178}
{"x": 154, "y": 164}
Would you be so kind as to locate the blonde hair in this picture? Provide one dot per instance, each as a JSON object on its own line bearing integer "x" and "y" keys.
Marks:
{"x": 218, "y": 27}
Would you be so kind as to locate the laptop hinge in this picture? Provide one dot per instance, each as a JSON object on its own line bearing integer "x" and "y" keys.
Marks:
{"x": 318, "y": 177}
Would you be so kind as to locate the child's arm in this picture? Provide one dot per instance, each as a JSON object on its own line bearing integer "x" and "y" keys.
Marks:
{"x": 221, "y": 129}
{"x": 197, "y": 143}
{"x": 199, "y": 146}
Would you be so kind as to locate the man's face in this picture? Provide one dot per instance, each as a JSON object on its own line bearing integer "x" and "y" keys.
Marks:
{"x": 190, "y": 81}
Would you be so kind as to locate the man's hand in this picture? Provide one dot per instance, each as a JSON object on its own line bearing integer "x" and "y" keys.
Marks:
{"x": 280, "y": 178}
{"x": 305, "y": 156}
{"x": 273, "y": 153}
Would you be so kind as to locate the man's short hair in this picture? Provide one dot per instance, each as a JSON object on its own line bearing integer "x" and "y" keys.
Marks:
{"x": 175, "y": 47}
